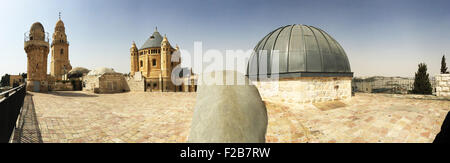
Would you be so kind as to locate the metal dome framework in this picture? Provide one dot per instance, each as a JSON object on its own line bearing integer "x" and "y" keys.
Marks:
{"x": 304, "y": 51}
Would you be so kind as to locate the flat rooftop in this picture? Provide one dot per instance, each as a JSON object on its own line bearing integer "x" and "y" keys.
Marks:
{"x": 165, "y": 117}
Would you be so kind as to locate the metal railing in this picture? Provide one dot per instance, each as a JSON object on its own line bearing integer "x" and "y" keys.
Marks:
{"x": 10, "y": 106}
{"x": 26, "y": 36}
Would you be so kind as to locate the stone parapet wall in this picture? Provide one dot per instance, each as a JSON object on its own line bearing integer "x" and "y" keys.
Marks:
{"x": 90, "y": 83}
{"x": 443, "y": 85}
{"x": 136, "y": 84}
{"x": 306, "y": 89}
{"x": 112, "y": 83}
{"x": 60, "y": 86}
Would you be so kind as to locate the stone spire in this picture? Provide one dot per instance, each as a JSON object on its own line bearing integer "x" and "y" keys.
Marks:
{"x": 133, "y": 45}
{"x": 165, "y": 42}
{"x": 60, "y": 32}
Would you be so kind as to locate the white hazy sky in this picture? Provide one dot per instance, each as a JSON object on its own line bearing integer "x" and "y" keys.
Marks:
{"x": 380, "y": 37}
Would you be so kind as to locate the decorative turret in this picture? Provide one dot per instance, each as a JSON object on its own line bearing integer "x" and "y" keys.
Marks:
{"x": 37, "y": 47}
{"x": 133, "y": 47}
{"x": 60, "y": 64}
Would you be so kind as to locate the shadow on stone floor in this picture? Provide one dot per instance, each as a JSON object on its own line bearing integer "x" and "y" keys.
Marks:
{"x": 27, "y": 129}
{"x": 330, "y": 105}
{"x": 72, "y": 94}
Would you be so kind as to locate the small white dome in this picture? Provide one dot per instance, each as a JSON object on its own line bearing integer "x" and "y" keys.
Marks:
{"x": 101, "y": 71}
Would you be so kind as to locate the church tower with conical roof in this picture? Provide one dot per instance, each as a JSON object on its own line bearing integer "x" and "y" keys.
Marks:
{"x": 134, "y": 59}
{"x": 60, "y": 64}
{"x": 165, "y": 58}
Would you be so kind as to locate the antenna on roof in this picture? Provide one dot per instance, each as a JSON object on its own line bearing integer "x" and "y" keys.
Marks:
{"x": 156, "y": 29}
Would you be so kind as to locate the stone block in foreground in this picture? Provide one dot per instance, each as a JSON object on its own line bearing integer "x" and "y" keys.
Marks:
{"x": 228, "y": 113}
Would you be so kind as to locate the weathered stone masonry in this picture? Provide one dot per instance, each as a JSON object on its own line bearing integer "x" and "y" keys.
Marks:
{"x": 443, "y": 85}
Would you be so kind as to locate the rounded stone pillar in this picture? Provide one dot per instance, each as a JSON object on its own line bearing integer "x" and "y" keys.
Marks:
{"x": 228, "y": 113}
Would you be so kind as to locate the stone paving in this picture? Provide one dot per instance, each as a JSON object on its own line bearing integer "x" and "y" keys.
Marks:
{"x": 366, "y": 118}
{"x": 165, "y": 117}
{"x": 27, "y": 129}
{"x": 126, "y": 117}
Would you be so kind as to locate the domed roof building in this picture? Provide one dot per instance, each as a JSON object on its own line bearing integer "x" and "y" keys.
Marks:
{"x": 153, "y": 62}
{"x": 303, "y": 51}
{"x": 300, "y": 63}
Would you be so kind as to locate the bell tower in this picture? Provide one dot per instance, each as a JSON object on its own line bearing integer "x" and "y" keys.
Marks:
{"x": 60, "y": 64}
{"x": 165, "y": 57}
{"x": 166, "y": 64}
{"x": 36, "y": 46}
{"x": 134, "y": 59}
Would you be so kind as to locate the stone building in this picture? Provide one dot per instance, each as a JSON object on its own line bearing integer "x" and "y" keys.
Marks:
{"x": 443, "y": 85}
{"x": 37, "y": 47}
{"x": 310, "y": 66}
{"x": 105, "y": 80}
{"x": 15, "y": 80}
{"x": 60, "y": 64}
{"x": 155, "y": 60}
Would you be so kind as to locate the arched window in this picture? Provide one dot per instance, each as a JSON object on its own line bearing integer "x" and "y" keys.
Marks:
{"x": 154, "y": 62}
{"x": 62, "y": 51}
{"x": 142, "y": 64}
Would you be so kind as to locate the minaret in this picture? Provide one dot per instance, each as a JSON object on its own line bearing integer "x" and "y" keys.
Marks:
{"x": 36, "y": 46}
{"x": 60, "y": 64}
{"x": 134, "y": 59}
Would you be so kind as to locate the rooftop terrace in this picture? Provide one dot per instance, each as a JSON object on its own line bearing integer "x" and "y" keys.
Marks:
{"x": 166, "y": 117}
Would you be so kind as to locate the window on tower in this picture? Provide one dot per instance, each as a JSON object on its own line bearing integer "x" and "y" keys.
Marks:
{"x": 154, "y": 62}
{"x": 142, "y": 64}
{"x": 62, "y": 51}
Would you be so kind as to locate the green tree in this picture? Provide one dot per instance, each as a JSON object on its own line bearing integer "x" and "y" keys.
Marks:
{"x": 443, "y": 66}
{"x": 24, "y": 75}
{"x": 5, "y": 80}
{"x": 422, "y": 83}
